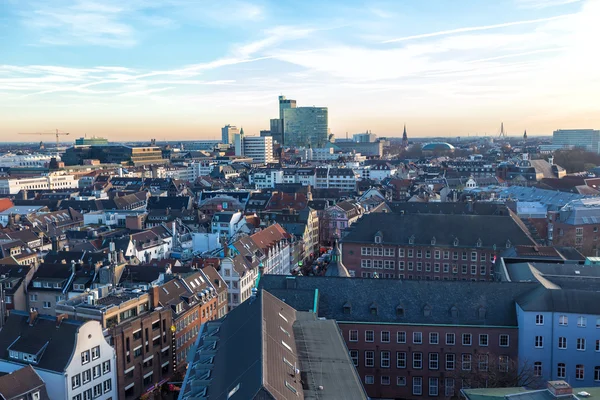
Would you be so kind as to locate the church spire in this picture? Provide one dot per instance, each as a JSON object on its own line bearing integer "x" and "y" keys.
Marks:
{"x": 525, "y": 135}
{"x": 404, "y": 138}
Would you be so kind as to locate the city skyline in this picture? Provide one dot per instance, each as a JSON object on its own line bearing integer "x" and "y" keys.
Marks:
{"x": 179, "y": 69}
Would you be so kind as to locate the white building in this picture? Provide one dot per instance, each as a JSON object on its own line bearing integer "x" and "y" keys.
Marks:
{"x": 265, "y": 178}
{"x": 48, "y": 182}
{"x": 228, "y": 132}
{"x": 227, "y": 223}
{"x": 336, "y": 178}
{"x": 377, "y": 172}
{"x": 73, "y": 358}
{"x": 259, "y": 148}
{"x": 240, "y": 277}
{"x": 305, "y": 176}
{"x": 25, "y": 160}
{"x": 201, "y": 168}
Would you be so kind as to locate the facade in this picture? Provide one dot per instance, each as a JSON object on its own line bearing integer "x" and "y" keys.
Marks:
{"x": 115, "y": 154}
{"x": 227, "y": 223}
{"x": 337, "y": 218}
{"x": 586, "y": 138}
{"x": 73, "y": 358}
{"x": 260, "y": 149}
{"x": 91, "y": 141}
{"x": 414, "y": 338}
{"x": 576, "y": 224}
{"x": 48, "y": 182}
{"x": 429, "y": 246}
{"x": 228, "y": 132}
{"x": 240, "y": 275}
{"x": 558, "y": 335}
{"x": 305, "y": 126}
{"x": 267, "y": 350}
{"x": 14, "y": 280}
{"x": 265, "y": 178}
{"x": 23, "y": 384}
{"x": 26, "y": 160}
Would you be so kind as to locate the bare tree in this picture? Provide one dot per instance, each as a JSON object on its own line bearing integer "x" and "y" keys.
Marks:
{"x": 486, "y": 370}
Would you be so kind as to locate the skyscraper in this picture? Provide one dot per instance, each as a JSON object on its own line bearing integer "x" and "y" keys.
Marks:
{"x": 305, "y": 126}
{"x": 589, "y": 139}
{"x": 228, "y": 132}
{"x": 285, "y": 104}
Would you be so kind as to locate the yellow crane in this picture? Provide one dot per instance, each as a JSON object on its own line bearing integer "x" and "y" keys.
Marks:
{"x": 57, "y": 133}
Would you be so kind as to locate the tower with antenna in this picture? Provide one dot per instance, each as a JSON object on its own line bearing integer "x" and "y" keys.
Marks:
{"x": 502, "y": 133}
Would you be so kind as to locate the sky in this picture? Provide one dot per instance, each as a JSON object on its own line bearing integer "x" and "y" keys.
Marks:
{"x": 182, "y": 69}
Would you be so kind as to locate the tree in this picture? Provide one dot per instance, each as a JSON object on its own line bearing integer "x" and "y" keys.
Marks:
{"x": 485, "y": 370}
{"x": 576, "y": 160}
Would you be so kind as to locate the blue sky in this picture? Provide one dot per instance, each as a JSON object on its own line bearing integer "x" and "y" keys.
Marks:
{"x": 181, "y": 69}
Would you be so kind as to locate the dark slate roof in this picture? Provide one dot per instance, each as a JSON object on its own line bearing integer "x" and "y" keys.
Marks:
{"x": 336, "y": 266}
{"x": 565, "y": 300}
{"x": 24, "y": 380}
{"x": 449, "y": 208}
{"x": 59, "y": 341}
{"x": 397, "y": 229}
{"x": 173, "y": 202}
{"x": 497, "y": 298}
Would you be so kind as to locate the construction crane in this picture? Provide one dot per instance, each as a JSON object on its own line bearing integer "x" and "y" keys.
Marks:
{"x": 57, "y": 133}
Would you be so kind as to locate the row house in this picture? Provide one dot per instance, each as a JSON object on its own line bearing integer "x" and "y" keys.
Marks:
{"x": 429, "y": 246}
{"x": 14, "y": 280}
{"x": 265, "y": 178}
{"x": 576, "y": 224}
{"x": 139, "y": 329}
{"x": 73, "y": 358}
{"x": 415, "y": 339}
{"x": 339, "y": 217}
{"x": 303, "y": 224}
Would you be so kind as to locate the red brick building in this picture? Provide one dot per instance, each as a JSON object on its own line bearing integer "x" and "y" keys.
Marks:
{"x": 577, "y": 224}
{"x": 429, "y": 246}
{"x": 414, "y": 339}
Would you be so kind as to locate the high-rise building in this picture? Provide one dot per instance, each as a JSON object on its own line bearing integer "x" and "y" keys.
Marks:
{"x": 285, "y": 104}
{"x": 305, "y": 126}
{"x": 585, "y": 138}
{"x": 228, "y": 132}
{"x": 259, "y": 148}
{"x": 93, "y": 141}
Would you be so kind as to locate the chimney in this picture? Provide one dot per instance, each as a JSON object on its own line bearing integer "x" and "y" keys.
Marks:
{"x": 73, "y": 267}
{"x": 54, "y": 244}
{"x": 32, "y": 316}
{"x": 59, "y": 319}
{"x": 121, "y": 257}
{"x": 154, "y": 295}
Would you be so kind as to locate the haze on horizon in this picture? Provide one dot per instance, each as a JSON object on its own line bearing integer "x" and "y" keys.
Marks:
{"x": 181, "y": 69}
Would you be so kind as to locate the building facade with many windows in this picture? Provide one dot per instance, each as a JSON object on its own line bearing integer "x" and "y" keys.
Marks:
{"x": 559, "y": 335}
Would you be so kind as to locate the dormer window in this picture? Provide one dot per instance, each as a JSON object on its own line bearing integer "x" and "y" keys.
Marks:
{"x": 411, "y": 240}
{"x": 427, "y": 310}
{"x": 433, "y": 241}
{"x": 378, "y": 238}
{"x": 399, "y": 311}
{"x": 481, "y": 312}
{"x": 454, "y": 312}
{"x": 347, "y": 308}
{"x": 456, "y": 241}
{"x": 508, "y": 244}
{"x": 373, "y": 309}
{"x": 479, "y": 242}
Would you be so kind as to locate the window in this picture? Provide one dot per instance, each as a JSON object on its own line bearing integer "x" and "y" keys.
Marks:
{"x": 449, "y": 387}
{"x": 85, "y": 357}
{"x": 466, "y": 339}
{"x": 483, "y": 340}
{"x": 400, "y": 381}
{"x": 433, "y": 386}
{"x": 87, "y": 395}
{"x": 369, "y": 358}
{"x": 365, "y": 251}
{"x": 354, "y": 357}
{"x": 537, "y": 368}
{"x": 597, "y": 374}
{"x": 562, "y": 342}
{"x": 353, "y": 335}
{"x": 450, "y": 361}
{"x": 400, "y": 359}
{"x": 33, "y": 297}
{"x": 385, "y": 380}
{"x": 466, "y": 362}
{"x": 369, "y": 379}
{"x": 95, "y": 353}
{"x": 503, "y": 363}
{"x": 597, "y": 344}
{"x": 579, "y": 372}
{"x": 561, "y": 371}
{"x": 86, "y": 376}
{"x": 105, "y": 367}
{"x": 539, "y": 319}
{"x": 96, "y": 371}
{"x": 369, "y": 336}
{"x": 539, "y": 342}
{"x": 581, "y": 344}
{"x": 75, "y": 381}
{"x": 47, "y": 304}
{"x": 401, "y": 337}
{"x": 417, "y": 388}
{"x": 504, "y": 340}
{"x": 77, "y": 397}
{"x": 563, "y": 320}
{"x": 385, "y": 336}
{"x": 450, "y": 339}
{"x": 581, "y": 322}
{"x": 434, "y": 361}
{"x": 434, "y": 338}
{"x": 107, "y": 385}
{"x": 417, "y": 337}
{"x": 385, "y": 359}
{"x": 483, "y": 362}
{"x": 417, "y": 360}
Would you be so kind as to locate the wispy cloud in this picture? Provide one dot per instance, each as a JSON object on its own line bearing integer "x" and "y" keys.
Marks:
{"x": 538, "y": 4}
{"x": 475, "y": 29}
